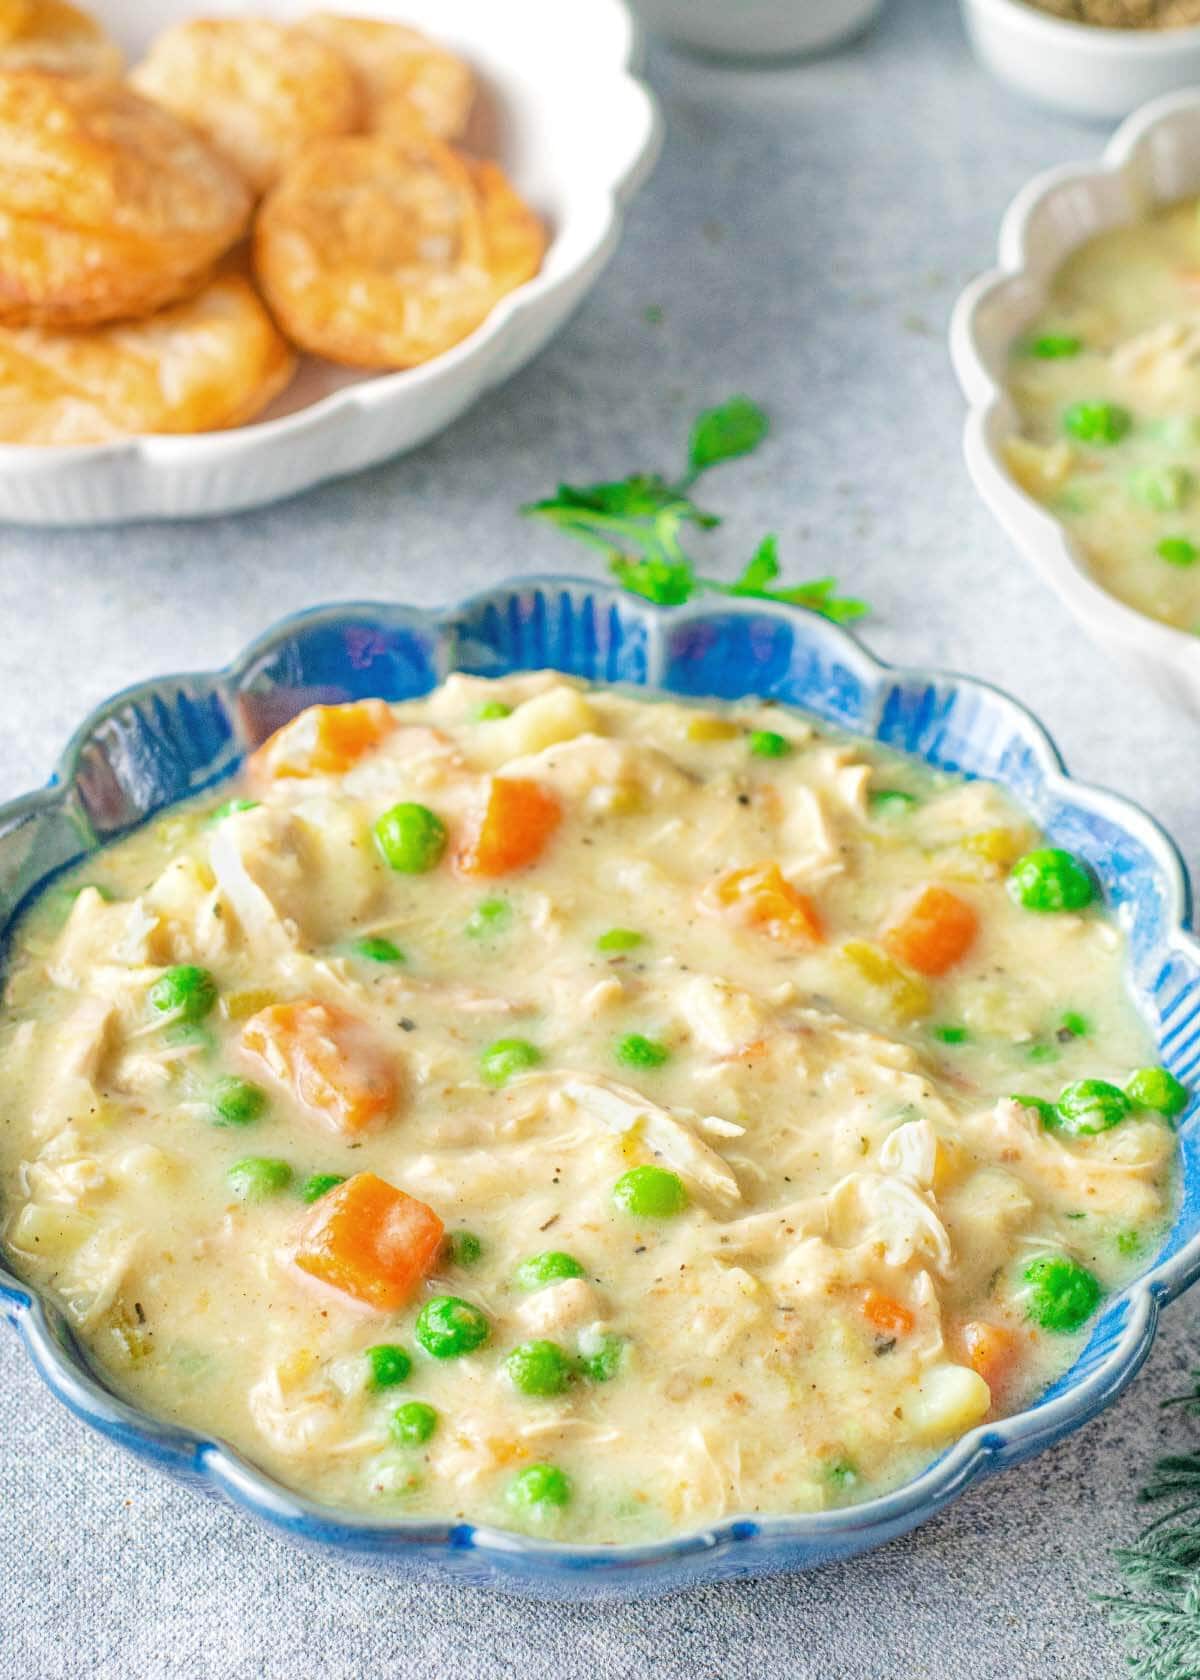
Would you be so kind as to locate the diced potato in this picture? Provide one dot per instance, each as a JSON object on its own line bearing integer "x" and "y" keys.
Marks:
{"x": 705, "y": 727}
{"x": 907, "y": 997}
{"x": 950, "y": 1400}
{"x": 557, "y": 715}
{"x": 1038, "y": 468}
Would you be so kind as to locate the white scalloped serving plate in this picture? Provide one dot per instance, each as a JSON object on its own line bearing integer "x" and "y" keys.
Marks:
{"x": 1152, "y": 159}
{"x": 577, "y": 133}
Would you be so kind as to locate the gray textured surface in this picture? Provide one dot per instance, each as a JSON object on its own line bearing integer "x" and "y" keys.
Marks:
{"x": 805, "y": 235}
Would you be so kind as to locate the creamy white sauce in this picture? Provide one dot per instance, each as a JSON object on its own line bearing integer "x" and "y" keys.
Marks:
{"x": 1126, "y": 310}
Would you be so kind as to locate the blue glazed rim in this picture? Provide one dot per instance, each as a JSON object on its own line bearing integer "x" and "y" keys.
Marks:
{"x": 156, "y": 743}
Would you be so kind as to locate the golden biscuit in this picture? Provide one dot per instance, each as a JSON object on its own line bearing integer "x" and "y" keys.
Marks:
{"x": 402, "y": 73}
{"x": 198, "y": 366}
{"x": 259, "y": 91}
{"x": 55, "y": 38}
{"x": 383, "y": 253}
{"x": 109, "y": 206}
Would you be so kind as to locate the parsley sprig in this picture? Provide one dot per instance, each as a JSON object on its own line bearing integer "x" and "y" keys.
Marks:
{"x": 1159, "y": 1610}
{"x": 643, "y": 523}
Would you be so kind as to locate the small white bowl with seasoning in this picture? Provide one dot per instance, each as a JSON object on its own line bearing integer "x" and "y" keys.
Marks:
{"x": 1100, "y": 62}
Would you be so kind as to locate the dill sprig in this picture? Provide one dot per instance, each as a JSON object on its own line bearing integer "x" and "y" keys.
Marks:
{"x": 641, "y": 524}
{"x": 1159, "y": 1611}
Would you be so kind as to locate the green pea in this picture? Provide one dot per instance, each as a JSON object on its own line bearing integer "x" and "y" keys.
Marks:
{"x": 492, "y": 916}
{"x": 765, "y": 743}
{"x": 465, "y": 1248}
{"x": 1089, "y": 1106}
{"x": 1156, "y": 1089}
{"x": 1053, "y": 347}
{"x": 410, "y": 838}
{"x": 187, "y": 992}
{"x": 891, "y": 802}
{"x": 413, "y": 1424}
{"x": 949, "y": 1035}
{"x": 1099, "y": 423}
{"x": 542, "y": 1269}
{"x": 1062, "y": 1294}
{"x": 231, "y": 807}
{"x": 320, "y": 1184}
{"x": 448, "y": 1327}
{"x": 620, "y": 939}
{"x": 1129, "y": 1243}
{"x": 601, "y": 1358}
{"x": 1177, "y": 551}
{"x": 637, "y": 1051}
{"x": 506, "y": 1058}
{"x": 650, "y": 1193}
{"x": 237, "y": 1102}
{"x": 1162, "y": 489}
{"x": 537, "y": 1487}
{"x": 1045, "y": 1111}
{"x": 375, "y": 949}
{"x": 1074, "y": 1025}
{"x": 539, "y": 1368}
{"x": 257, "y": 1177}
{"x": 1050, "y": 879}
{"x": 488, "y": 711}
{"x": 387, "y": 1365}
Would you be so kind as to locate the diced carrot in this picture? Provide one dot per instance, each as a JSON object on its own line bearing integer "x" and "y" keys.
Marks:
{"x": 882, "y": 1313}
{"x": 768, "y": 901}
{"x": 322, "y": 741}
{"x": 326, "y": 1060}
{"x": 990, "y": 1349}
{"x": 935, "y": 930}
{"x": 369, "y": 1240}
{"x": 514, "y": 828}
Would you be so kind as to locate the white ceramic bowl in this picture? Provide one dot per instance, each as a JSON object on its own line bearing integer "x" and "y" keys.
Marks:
{"x": 1152, "y": 159}
{"x": 1097, "y": 73}
{"x": 757, "y": 28}
{"x": 578, "y": 135}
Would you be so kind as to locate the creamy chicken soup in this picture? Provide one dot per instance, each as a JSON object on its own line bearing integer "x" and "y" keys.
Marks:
{"x": 1107, "y": 386}
{"x": 589, "y": 1114}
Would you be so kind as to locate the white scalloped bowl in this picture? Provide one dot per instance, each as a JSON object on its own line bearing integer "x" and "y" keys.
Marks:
{"x": 1152, "y": 159}
{"x": 577, "y": 133}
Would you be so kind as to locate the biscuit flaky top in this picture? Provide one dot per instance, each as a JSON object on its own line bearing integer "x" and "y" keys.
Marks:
{"x": 109, "y": 206}
{"x": 405, "y": 78}
{"x": 56, "y": 38}
{"x": 258, "y": 91}
{"x": 384, "y": 252}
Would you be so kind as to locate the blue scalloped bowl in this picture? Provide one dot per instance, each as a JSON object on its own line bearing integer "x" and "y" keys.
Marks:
{"x": 158, "y": 743}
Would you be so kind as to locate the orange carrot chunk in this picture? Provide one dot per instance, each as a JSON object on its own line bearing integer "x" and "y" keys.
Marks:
{"x": 935, "y": 930}
{"x": 768, "y": 901}
{"x": 369, "y": 1240}
{"x": 515, "y": 827}
{"x": 991, "y": 1350}
{"x": 326, "y": 1060}
{"x": 322, "y": 741}
{"x": 882, "y": 1313}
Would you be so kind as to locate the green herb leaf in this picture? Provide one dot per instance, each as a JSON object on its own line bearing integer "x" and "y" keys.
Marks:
{"x": 639, "y": 524}
{"x": 721, "y": 434}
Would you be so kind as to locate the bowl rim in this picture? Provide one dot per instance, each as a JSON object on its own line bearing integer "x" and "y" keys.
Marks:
{"x": 1047, "y": 542}
{"x": 195, "y": 1456}
{"x": 610, "y": 198}
{"x": 1045, "y": 29}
